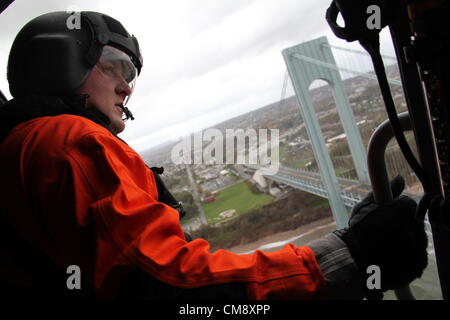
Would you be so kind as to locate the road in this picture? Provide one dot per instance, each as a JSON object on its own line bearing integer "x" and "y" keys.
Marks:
{"x": 196, "y": 197}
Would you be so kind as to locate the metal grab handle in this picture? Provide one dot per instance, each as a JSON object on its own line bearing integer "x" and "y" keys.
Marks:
{"x": 379, "y": 178}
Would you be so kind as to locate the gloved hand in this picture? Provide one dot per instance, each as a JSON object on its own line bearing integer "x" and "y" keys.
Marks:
{"x": 387, "y": 235}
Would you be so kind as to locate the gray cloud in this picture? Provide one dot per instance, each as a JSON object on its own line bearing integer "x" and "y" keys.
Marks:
{"x": 203, "y": 14}
{"x": 299, "y": 23}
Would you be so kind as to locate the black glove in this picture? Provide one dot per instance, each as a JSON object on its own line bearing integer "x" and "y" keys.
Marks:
{"x": 387, "y": 235}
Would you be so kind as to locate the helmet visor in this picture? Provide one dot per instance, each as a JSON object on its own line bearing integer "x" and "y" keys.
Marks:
{"x": 117, "y": 65}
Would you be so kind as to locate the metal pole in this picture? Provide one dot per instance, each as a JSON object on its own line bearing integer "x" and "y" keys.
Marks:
{"x": 379, "y": 176}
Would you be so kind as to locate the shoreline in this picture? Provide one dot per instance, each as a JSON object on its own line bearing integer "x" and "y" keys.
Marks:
{"x": 269, "y": 243}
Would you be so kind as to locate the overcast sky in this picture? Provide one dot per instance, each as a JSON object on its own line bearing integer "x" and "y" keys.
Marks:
{"x": 204, "y": 60}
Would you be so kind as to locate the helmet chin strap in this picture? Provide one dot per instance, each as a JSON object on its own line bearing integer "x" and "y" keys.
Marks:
{"x": 127, "y": 112}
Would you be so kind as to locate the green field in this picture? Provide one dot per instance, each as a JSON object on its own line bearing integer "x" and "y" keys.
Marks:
{"x": 238, "y": 197}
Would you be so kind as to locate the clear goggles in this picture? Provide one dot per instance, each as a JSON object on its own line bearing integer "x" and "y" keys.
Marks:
{"x": 116, "y": 64}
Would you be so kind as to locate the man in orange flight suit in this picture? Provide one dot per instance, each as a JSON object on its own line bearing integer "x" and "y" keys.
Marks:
{"x": 78, "y": 195}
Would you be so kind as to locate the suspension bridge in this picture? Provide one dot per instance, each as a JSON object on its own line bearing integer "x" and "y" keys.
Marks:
{"x": 352, "y": 191}
{"x": 337, "y": 132}
{"x": 324, "y": 152}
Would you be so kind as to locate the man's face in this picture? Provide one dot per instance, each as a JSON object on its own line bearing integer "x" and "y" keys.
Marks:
{"x": 107, "y": 89}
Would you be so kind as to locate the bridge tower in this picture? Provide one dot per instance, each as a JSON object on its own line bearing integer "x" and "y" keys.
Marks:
{"x": 307, "y": 62}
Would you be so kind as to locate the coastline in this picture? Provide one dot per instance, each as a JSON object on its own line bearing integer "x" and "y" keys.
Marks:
{"x": 299, "y": 236}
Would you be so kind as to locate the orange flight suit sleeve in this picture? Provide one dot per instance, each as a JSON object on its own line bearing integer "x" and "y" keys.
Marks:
{"x": 133, "y": 228}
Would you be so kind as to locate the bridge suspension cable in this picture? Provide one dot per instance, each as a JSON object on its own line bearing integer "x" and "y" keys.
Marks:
{"x": 334, "y": 67}
{"x": 283, "y": 90}
{"x": 357, "y": 51}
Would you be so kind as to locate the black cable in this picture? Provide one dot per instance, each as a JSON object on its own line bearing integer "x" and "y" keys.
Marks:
{"x": 372, "y": 46}
{"x": 127, "y": 112}
{"x": 3, "y": 99}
